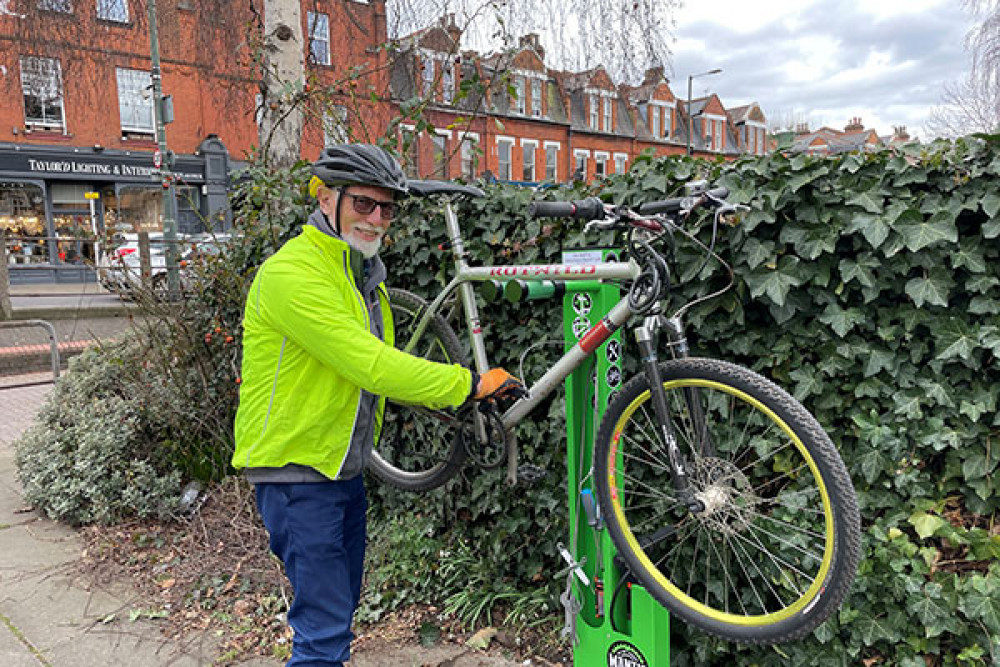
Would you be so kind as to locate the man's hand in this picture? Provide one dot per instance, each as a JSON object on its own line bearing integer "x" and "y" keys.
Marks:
{"x": 497, "y": 383}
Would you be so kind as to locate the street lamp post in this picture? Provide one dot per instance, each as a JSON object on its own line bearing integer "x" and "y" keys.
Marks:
{"x": 165, "y": 158}
{"x": 692, "y": 77}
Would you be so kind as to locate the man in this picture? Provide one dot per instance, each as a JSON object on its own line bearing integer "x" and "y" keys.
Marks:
{"x": 316, "y": 373}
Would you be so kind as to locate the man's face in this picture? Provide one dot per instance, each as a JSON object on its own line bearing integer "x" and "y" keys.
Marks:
{"x": 363, "y": 232}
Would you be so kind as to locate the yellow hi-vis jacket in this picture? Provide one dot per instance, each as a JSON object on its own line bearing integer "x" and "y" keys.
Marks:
{"x": 315, "y": 377}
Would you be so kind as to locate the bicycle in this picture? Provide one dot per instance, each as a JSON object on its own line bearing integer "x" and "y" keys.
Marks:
{"x": 723, "y": 495}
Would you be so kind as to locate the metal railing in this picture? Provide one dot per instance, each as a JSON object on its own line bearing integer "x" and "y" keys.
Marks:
{"x": 21, "y": 359}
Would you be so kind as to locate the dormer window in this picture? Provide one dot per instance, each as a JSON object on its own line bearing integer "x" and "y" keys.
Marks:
{"x": 607, "y": 114}
{"x": 447, "y": 83}
{"x": 519, "y": 101}
{"x": 654, "y": 120}
{"x": 594, "y": 112}
{"x": 427, "y": 76}
{"x": 536, "y": 98}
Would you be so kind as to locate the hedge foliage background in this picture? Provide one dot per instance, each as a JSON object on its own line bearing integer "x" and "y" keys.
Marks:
{"x": 867, "y": 284}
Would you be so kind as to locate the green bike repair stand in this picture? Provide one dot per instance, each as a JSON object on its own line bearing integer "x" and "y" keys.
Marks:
{"x": 639, "y": 635}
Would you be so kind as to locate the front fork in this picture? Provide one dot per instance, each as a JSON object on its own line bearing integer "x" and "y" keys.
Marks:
{"x": 645, "y": 335}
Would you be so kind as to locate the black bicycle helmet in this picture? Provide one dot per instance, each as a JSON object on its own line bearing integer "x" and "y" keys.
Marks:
{"x": 358, "y": 164}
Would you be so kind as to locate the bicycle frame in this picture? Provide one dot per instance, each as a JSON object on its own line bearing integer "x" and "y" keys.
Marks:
{"x": 465, "y": 275}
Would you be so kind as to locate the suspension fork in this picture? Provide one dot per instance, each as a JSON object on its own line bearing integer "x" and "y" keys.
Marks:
{"x": 679, "y": 349}
{"x": 645, "y": 336}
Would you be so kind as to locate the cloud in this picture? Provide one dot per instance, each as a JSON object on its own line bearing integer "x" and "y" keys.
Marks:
{"x": 885, "y": 61}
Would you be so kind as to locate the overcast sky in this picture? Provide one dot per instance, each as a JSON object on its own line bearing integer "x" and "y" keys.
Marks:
{"x": 826, "y": 60}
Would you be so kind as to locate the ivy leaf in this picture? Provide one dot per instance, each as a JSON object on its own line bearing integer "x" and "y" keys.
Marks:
{"x": 874, "y": 229}
{"x": 919, "y": 233}
{"x": 955, "y": 338}
{"x": 841, "y": 320}
{"x": 879, "y": 360}
{"x": 991, "y": 229}
{"x": 871, "y": 463}
{"x": 775, "y": 281}
{"x": 861, "y": 269}
{"x": 908, "y": 405}
{"x": 870, "y": 201}
{"x": 934, "y": 616}
{"x": 991, "y": 204}
{"x": 970, "y": 255}
{"x": 756, "y": 253}
{"x": 807, "y": 382}
{"x": 926, "y": 524}
{"x": 932, "y": 289}
{"x": 982, "y": 602}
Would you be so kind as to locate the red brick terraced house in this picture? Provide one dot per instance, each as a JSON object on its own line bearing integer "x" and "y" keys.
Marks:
{"x": 77, "y": 131}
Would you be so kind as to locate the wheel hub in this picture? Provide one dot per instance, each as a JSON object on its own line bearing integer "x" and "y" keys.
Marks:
{"x": 726, "y": 493}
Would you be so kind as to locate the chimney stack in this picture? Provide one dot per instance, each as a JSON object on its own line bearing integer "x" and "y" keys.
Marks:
{"x": 654, "y": 75}
{"x": 531, "y": 41}
{"x": 855, "y": 125}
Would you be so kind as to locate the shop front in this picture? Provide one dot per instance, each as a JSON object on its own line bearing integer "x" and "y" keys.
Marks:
{"x": 61, "y": 209}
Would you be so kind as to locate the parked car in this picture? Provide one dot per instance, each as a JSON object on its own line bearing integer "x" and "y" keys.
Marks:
{"x": 120, "y": 269}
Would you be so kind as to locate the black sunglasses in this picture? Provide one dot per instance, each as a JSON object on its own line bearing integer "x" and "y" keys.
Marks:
{"x": 365, "y": 205}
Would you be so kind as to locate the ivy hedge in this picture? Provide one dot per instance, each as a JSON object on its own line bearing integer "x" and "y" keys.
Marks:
{"x": 867, "y": 284}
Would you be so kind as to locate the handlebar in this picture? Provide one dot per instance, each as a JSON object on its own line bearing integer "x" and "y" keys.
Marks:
{"x": 590, "y": 208}
{"x": 593, "y": 208}
{"x": 682, "y": 203}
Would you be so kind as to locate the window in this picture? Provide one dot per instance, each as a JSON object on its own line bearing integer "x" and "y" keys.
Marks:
{"x": 654, "y": 120}
{"x": 620, "y": 163}
{"x": 607, "y": 115}
{"x": 55, "y": 6}
{"x": 410, "y": 153}
{"x": 551, "y": 161}
{"x": 594, "y": 112}
{"x": 528, "y": 149}
{"x": 135, "y": 100}
{"x": 113, "y": 10}
{"x": 717, "y": 141}
{"x": 22, "y": 216}
{"x": 580, "y": 167}
{"x": 439, "y": 147}
{"x": 519, "y": 102}
{"x": 447, "y": 82}
{"x": 41, "y": 85}
{"x": 668, "y": 121}
{"x": 319, "y": 38}
{"x": 335, "y": 127}
{"x": 427, "y": 77}
{"x": 503, "y": 158}
{"x": 536, "y": 97}
{"x": 600, "y": 164}
{"x": 470, "y": 157}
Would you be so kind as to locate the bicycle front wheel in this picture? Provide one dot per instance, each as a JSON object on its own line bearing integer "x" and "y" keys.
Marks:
{"x": 776, "y": 547}
{"x": 418, "y": 448}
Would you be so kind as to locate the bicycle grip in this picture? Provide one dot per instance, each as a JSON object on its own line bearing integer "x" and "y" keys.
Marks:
{"x": 590, "y": 208}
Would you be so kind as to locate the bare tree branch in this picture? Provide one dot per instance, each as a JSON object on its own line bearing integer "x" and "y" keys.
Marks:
{"x": 971, "y": 106}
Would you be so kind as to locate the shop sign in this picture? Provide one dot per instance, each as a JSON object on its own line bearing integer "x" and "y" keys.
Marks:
{"x": 100, "y": 169}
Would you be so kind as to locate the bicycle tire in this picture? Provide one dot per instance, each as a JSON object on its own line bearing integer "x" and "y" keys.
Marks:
{"x": 777, "y": 547}
{"x": 419, "y": 449}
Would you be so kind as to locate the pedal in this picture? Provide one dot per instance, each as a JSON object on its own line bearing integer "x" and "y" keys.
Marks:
{"x": 529, "y": 475}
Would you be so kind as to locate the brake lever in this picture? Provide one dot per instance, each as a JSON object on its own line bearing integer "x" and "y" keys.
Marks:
{"x": 607, "y": 223}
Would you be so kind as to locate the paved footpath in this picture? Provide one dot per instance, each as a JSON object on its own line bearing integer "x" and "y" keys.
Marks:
{"x": 51, "y": 617}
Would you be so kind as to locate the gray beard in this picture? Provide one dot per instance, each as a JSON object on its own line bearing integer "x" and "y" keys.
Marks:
{"x": 368, "y": 249}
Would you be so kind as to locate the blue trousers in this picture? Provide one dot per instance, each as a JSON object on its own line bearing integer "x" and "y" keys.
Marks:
{"x": 319, "y": 531}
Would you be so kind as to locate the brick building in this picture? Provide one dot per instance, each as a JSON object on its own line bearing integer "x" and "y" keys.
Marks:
{"x": 526, "y": 122}
{"x": 75, "y": 93}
